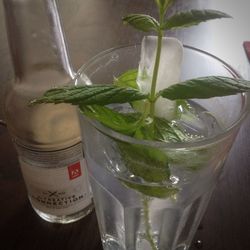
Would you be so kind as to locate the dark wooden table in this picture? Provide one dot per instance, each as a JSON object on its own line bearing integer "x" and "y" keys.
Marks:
{"x": 92, "y": 26}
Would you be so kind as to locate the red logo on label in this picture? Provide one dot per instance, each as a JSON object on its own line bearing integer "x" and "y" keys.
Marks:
{"x": 74, "y": 170}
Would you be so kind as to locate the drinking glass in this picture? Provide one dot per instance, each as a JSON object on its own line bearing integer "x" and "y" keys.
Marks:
{"x": 142, "y": 207}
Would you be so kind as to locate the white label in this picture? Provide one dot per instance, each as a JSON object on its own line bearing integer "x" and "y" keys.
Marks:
{"x": 57, "y": 189}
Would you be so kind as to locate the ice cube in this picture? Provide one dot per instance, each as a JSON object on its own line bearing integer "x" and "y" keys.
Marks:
{"x": 168, "y": 74}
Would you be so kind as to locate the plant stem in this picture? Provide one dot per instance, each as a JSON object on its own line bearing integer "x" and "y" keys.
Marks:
{"x": 155, "y": 72}
{"x": 148, "y": 230}
{"x": 153, "y": 98}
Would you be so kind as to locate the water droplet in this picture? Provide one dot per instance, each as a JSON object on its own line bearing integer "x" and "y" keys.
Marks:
{"x": 114, "y": 56}
{"x": 174, "y": 179}
{"x": 198, "y": 244}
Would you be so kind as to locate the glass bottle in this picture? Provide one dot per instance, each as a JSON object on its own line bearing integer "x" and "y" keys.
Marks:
{"x": 47, "y": 137}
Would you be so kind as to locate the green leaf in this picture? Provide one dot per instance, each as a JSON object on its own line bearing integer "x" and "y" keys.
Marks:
{"x": 205, "y": 87}
{"x": 192, "y": 17}
{"x": 167, "y": 132}
{"x": 142, "y": 22}
{"x": 152, "y": 191}
{"x": 127, "y": 79}
{"x": 126, "y": 123}
{"x": 159, "y": 129}
{"x": 192, "y": 160}
{"x": 90, "y": 95}
{"x": 149, "y": 163}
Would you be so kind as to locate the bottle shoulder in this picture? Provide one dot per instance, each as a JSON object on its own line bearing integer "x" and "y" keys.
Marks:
{"x": 41, "y": 126}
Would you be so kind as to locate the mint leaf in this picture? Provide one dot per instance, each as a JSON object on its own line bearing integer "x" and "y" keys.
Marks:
{"x": 120, "y": 122}
{"x": 152, "y": 191}
{"x": 159, "y": 129}
{"x": 192, "y": 160}
{"x": 205, "y": 87}
{"x": 142, "y": 22}
{"x": 127, "y": 79}
{"x": 167, "y": 132}
{"x": 192, "y": 17}
{"x": 89, "y": 95}
{"x": 149, "y": 163}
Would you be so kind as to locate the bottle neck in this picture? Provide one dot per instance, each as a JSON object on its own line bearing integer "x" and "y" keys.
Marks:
{"x": 37, "y": 43}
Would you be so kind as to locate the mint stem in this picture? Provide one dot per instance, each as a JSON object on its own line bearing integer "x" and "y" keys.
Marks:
{"x": 155, "y": 71}
{"x": 153, "y": 99}
{"x": 148, "y": 230}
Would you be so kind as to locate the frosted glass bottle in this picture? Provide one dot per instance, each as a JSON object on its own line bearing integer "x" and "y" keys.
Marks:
{"x": 47, "y": 137}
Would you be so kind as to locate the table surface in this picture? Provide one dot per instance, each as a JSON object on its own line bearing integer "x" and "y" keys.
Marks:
{"x": 226, "y": 224}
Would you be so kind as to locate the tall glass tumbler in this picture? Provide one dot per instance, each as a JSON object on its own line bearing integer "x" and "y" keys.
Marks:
{"x": 135, "y": 210}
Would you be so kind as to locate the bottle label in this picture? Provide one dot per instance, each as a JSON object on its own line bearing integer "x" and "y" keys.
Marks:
{"x": 57, "y": 182}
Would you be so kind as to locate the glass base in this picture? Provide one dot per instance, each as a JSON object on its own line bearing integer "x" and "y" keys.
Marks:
{"x": 65, "y": 219}
{"x": 110, "y": 243}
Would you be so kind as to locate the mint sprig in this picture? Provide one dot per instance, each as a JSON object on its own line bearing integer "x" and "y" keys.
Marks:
{"x": 183, "y": 19}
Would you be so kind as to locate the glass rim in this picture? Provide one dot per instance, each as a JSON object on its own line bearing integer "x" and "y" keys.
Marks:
{"x": 169, "y": 145}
